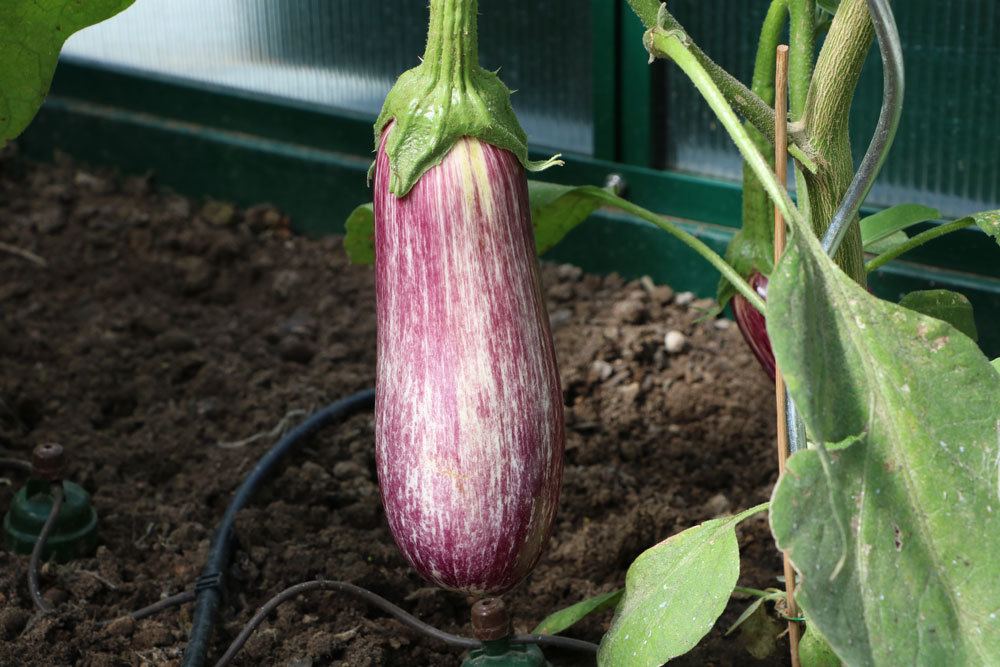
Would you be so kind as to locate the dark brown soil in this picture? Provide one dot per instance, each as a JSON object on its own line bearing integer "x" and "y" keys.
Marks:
{"x": 160, "y": 327}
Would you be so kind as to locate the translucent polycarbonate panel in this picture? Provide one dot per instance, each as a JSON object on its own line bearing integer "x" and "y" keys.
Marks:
{"x": 945, "y": 154}
{"x": 727, "y": 31}
{"x": 345, "y": 54}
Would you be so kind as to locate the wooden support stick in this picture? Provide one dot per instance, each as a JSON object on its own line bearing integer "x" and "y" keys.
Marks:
{"x": 781, "y": 171}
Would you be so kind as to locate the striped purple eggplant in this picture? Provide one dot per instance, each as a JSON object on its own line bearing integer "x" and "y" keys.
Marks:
{"x": 468, "y": 416}
{"x": 752, "y": 324}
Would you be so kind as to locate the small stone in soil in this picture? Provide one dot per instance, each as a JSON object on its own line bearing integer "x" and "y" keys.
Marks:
{"x": 684, "y": 298}
{"x": 600, "y": 370}
{"x": 722, "y": 324}
{"x": 674, "y": 342}
{"x": 630, "y": 311}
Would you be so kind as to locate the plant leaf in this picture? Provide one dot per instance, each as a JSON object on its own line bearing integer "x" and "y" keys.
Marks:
{"x": 989, "y": 222}
{"x": 558, "y": 621}
{"x": 359, "y": 238}
{"x": 888, "y": 243}
{"x": 674, "y": 592}
{"x": 952, "y": 307}
{"x": 996, "y": 364}
{"x": 555, "y": 211}
{"x": 32, "y": 33}
{"x": 913, "y": 578}
{"x": 885, "y": 223}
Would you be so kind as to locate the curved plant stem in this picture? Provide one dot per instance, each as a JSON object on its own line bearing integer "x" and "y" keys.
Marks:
{"x": 917, "y": 241}
{"x": 888, "y": 120}
{"x": 670, "y": 44}
{"x": 771, "y": 33}
{"x": 691, "y": 241}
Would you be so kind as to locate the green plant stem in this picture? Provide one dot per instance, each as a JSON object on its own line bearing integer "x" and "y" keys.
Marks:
{"x": 771, "y": 33}
{"x": 802, "y": 45}
{"x": 691, "y": 241}
{"x": 828, "y": 105}
{"x": 453, "y": 38}
{"x": 758, "y": 213}
{"x": 746, "y": 102}
{"x": 801, "y": 55}
{"x": 671, "y": 44}
{"x": 916, "y": 241}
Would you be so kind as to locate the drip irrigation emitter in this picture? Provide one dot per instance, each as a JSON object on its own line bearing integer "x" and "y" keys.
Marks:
{"x": 491, "y": 625}
{"x": 72, "y": 529}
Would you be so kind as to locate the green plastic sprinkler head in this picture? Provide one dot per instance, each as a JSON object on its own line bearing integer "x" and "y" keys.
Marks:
{"x": 75, "y": 532}
{"x": 491, "y": 626}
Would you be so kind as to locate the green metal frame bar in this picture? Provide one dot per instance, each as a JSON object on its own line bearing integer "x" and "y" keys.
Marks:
{"x": 311, "y": 162}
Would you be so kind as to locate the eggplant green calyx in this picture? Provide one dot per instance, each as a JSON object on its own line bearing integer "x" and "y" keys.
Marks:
{"x": 447, "y": 97}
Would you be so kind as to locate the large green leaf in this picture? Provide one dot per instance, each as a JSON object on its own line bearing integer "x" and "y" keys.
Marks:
{"x": 555, "y": 211}
{"x": 887, "y": 222}
{"x": 674, "y": 592}
{"x": 558, "y": 621}
{"x": 952, "y": 307}
{"x": 896, "y": 536}
{"x": 32, "y": 33}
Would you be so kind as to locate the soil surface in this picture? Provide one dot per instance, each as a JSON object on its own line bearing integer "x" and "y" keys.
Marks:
{"x": 162, "y": 334}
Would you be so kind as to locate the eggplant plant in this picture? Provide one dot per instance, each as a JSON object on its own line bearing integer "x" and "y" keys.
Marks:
{"x": 890, "y": 507}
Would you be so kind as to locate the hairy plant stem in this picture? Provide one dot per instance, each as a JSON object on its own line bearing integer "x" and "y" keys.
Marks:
{"x": 802, "y": 49}
{"x": 757, "y": 207}
{"x": 802, "y": 45}
{"x": 746, "y": 102}
{"x": 826, "y": 116}
{"x": 673, "y": 44}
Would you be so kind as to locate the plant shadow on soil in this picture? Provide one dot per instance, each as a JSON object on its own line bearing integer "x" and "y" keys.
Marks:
{"x": 161, "y": 327}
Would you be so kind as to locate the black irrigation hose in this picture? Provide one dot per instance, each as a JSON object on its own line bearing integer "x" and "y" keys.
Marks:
{"x": 212, "y": 580}
{"x": 399, "y": 614}
{"x": 23, "y": 466}
{"x": 175, "y": 600}
{"x": 892, "y": 107}
{"x": 36, "y": 553}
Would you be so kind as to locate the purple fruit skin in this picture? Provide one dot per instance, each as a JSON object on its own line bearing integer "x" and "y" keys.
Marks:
{"x": 753, "y": 325}
{"x": 469, "y": 430}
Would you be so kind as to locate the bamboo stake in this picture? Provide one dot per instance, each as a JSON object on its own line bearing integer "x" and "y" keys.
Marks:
{"x": 781, "y": 171}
